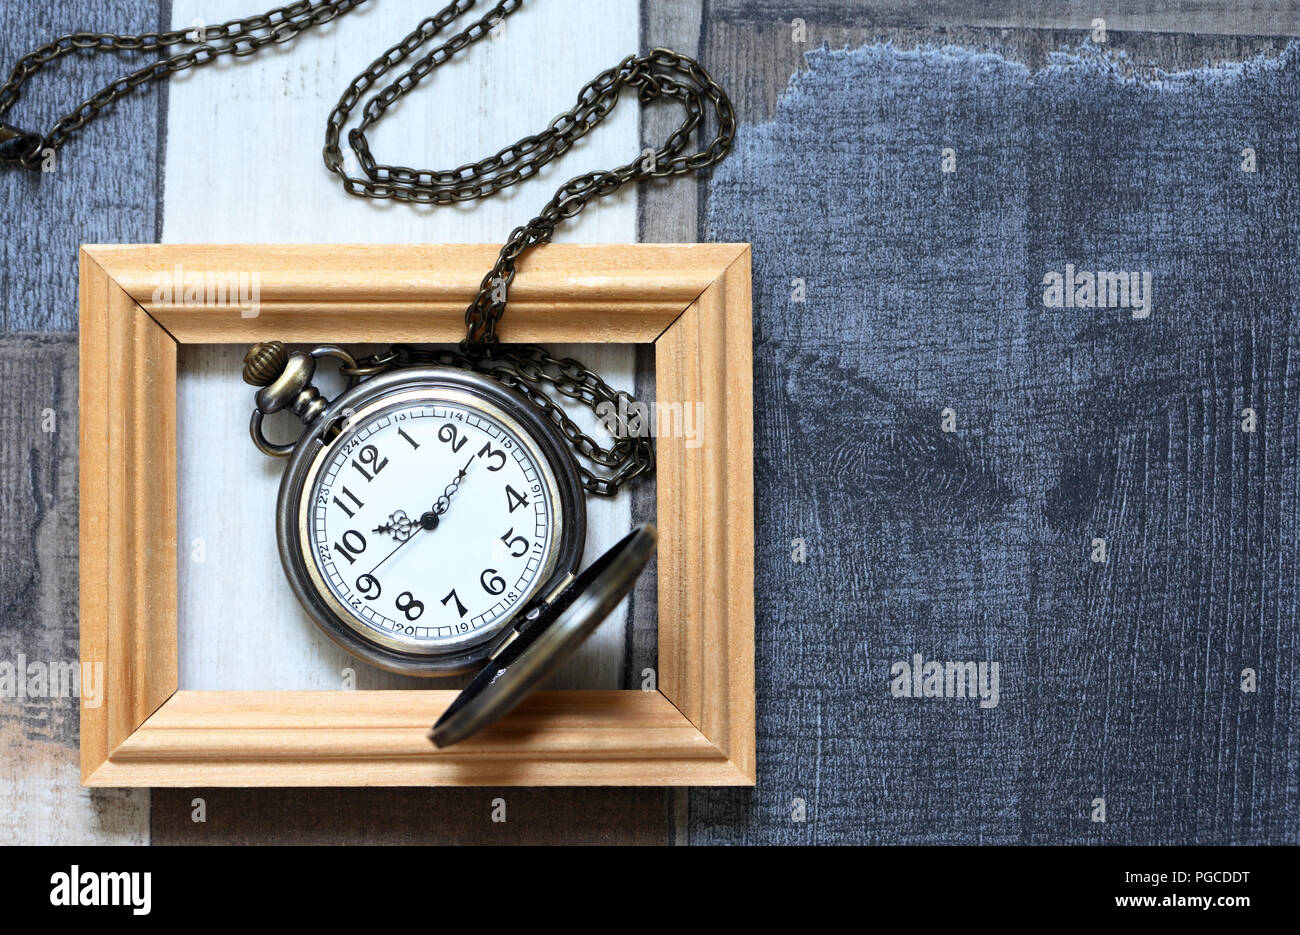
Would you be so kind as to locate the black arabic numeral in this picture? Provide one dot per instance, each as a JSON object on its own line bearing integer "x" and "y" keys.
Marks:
{"x": 369, "y": 455}
{"x": 460, "y": 608}
{"x": 353, "y": 544}
{"x": 449, "y": 435}
{"x": 510, "y": 543}
{"x": 491, "y": 453}
{"x": 367, "y": 584}
{"x": 494, "y": 585}
{"x": 412, "y": 608}
{"x": 515, "y": 499}
{"x": 344, "y": 507}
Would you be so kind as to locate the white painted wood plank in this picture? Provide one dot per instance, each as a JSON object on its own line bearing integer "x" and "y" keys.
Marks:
{"x": 244, "y": 138}
{"x": 244, "y": 165}
{"x": 43, "y": 803}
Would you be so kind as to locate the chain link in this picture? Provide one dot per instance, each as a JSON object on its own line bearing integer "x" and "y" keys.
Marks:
{"x": 238, "y": 38}
{"x": 660, "y": 74}
{"x": 528, "y": 370}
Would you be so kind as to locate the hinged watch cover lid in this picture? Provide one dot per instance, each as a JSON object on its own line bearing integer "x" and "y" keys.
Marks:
{"x": 546, "y": 641}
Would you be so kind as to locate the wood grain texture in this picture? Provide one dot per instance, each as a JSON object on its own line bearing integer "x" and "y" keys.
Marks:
{"x": 40, "y": 286}
{"x": 38, "y": 537}
{"x": 752, "y": 49}
{"x": 381, "y": 738}
{"x": 41, "y": 799}
{"x": 99, "y": 189}
{"x": 374, "y": 294}
{"x": 128, "y": 530}
{"x": 1216, "y": 17}
{"x": 706, "y": 497}
{"x": 262, "y": 119}
{"x": 103, "y": 183}
{"x": 920, "y": 540}
{"x": 668, "y": 210}
{"x": 94, "y": 487}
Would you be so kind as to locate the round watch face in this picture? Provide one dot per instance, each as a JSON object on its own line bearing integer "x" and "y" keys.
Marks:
{"x": 430, "y": 520}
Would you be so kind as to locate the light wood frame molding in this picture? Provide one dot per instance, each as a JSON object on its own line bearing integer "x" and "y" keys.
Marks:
{"x": 691, "y": 301}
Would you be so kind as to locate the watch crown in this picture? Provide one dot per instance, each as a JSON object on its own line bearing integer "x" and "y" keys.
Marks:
{"x": 264, "y": 363}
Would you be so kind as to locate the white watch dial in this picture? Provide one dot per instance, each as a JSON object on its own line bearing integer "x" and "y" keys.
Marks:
{"x": 430, "y": 522}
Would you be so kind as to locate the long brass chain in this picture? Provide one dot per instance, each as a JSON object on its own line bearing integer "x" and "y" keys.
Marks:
{"x": 659, "y": 74}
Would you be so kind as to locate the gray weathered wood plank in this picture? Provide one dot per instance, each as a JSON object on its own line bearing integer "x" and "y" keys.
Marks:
{"x": 1209, "y": 17}
{"x": 1183, "y": 754}
{"x": 102, "y": 187}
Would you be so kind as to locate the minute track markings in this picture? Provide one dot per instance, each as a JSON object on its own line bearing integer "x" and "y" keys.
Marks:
{"x": 483, "y": 442}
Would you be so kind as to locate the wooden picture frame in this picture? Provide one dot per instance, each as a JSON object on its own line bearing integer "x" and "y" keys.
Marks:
{"x": 692, "y": 301}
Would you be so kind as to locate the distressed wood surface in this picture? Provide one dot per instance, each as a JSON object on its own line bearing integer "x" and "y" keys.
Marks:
{"x": 923, "y": 541}
{"x": 41, "y": 798}
{"x": 1214, "y": 17}
{"x": 760, "y": 46}
{"x": 668, "y": 209}
{"x": 402, "y": 816}
{"x": 104, "y": 183}
{"x": 98, "y": 190}
{"x": 109, "y": 198}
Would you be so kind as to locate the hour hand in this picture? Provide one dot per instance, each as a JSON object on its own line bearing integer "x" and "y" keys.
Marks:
{"x": 399, "y": 526}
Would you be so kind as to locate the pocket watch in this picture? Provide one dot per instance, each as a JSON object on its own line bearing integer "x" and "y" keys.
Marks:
{"x": 431, "y": 521}
{"x": 388, "y": 512}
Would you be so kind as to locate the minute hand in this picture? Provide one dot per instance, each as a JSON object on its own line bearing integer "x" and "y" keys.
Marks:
{"x": 443, "y": 502}
{"x": 414, "y": 532}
